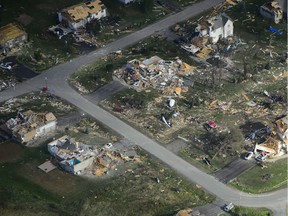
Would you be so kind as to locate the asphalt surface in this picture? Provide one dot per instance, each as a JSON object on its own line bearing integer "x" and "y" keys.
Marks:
{"x": 57, "y": 83}
{"x": 105, "y": 91}
{"x": 233, "y": 169}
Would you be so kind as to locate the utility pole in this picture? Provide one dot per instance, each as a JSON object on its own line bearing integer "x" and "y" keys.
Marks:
{"x": 45, "y": 88}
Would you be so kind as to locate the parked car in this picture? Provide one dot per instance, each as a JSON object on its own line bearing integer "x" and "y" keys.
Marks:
{"x": 261, "y": 157}
{"x": 228, "y": 207}
{"x": 248, "y": 155}
{"x": 210, "y": 125}
{"x": 108, "y": 145}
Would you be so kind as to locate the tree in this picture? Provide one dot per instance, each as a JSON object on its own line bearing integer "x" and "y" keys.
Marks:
{"x": 93, "y": 27}
{"x": 37, "y": 55}
{"x": 146, "y": 5}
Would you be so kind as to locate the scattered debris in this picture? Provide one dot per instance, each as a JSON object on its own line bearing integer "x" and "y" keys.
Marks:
{"x": 156, "y": 73}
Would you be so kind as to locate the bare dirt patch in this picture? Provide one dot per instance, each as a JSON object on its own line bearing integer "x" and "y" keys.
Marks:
{"x": 59, "y": 182}
{"x": 24, "y": 19}
{"x": 10, "y": 152}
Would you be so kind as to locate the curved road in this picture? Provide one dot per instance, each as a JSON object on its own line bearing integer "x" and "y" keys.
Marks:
{"x": 57, "y": 81}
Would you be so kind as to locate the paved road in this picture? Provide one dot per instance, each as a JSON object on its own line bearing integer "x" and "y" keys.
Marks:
{"x": 233, "y": 169}
{"x": 58, "y": 75}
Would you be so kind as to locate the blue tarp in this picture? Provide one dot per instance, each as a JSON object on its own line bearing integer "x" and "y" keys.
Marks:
{"x": 279, "y": 32}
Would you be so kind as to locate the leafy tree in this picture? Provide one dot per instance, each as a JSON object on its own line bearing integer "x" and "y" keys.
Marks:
{"x": 37, "y": 55}
{"x": 146, "y": 5}
{"x": 93, "y": 27}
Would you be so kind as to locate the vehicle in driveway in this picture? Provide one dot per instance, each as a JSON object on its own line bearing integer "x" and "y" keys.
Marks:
{"x": 108, "y": 145}
{"x": 248, "y": 155}
{"x": 228, "y": 207}
{"x": 261, "y": 157}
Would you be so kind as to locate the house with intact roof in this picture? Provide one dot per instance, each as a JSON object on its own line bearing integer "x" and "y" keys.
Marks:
{"x": 220, "y": 26}
{"x": 79, "y": 15}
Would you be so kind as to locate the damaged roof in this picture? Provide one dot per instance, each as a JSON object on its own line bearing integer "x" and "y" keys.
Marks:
{"x": 220, "y": 21}
{"x": 83, "y": 10}
{"x": 10, "y": 32}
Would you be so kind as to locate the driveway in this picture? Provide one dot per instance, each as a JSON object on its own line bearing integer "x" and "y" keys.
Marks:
{"x": 233, "y": 169}
{"x": 105, "y": 92}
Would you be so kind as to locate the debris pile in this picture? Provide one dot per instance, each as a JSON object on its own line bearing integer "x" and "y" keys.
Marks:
{"x": 189, "y": 212}
{"x": 155, "y": 73}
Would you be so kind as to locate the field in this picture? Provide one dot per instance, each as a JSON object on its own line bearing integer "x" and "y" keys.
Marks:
{"x": 259, "y": 180}
{"x": 131, "y": 190}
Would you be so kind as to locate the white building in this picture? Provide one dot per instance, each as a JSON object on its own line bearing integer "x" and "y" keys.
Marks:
{"x": 79, "y": 15}
{"x": 217, "y": 27}
{"x": 72, "y": 156}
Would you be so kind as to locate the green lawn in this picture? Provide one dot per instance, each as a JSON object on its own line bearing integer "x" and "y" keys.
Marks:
{"x": 131, "y": 190}
{"x": 37, "y": 102}
{"x": 260, "y": 180}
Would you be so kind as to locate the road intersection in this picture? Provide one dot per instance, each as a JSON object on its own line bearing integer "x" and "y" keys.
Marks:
{"x": 57, "y": 80}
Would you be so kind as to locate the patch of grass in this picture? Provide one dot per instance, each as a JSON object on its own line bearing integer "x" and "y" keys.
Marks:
{"x": 37, "y": 102}
{"x": 243, "y": 211}
{"x": 96, "y": 75}
{"x": 185, "y": 3}
{"x": 132, "y": 190}
{"x": 260, "y": 180}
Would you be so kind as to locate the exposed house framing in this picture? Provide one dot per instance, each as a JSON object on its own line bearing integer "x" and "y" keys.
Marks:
{"x": 12, "y": 35}
{"x": 28, "y": 125}
{"x": 79, "y": 15}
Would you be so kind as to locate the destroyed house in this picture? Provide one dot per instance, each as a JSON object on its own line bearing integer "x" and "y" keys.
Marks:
{"x": 154, "y": 72}
{"x": 11, "y": 36}
{"x": 79, "y": 15}
{"x": 73, "y": 157}
{"x": 215, "y": 28}
{"x": 277, "y": 141}
{"x": 282, "y": 129}
{"x": 29, "y": 125}
{"x": 272, "y": 11}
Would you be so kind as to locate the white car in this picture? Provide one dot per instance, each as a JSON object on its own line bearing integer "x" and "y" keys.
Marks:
{"x": 248, "y": 155}
{"x": 228, "y": 207}
{"x": 108, "y": 145}
{"x": 261, "y": 157}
